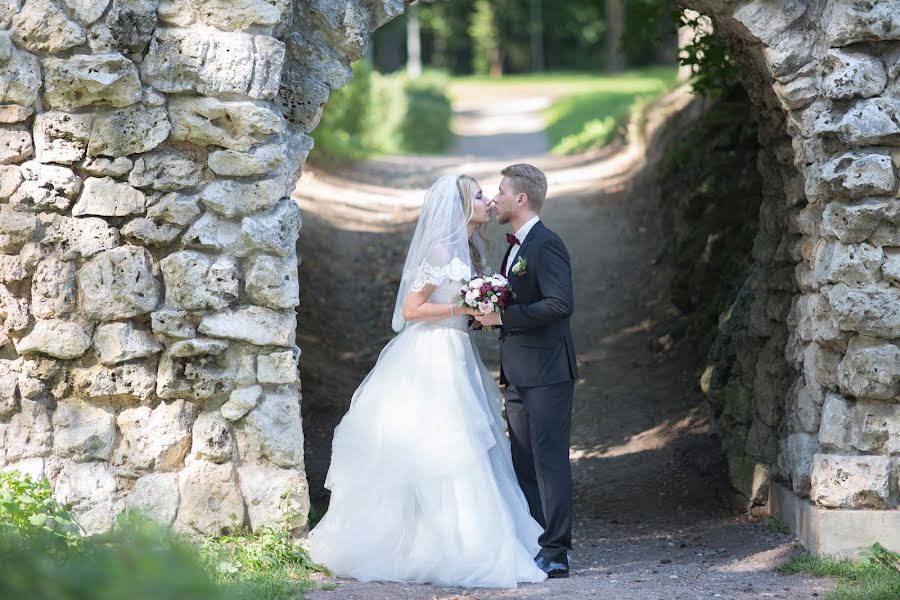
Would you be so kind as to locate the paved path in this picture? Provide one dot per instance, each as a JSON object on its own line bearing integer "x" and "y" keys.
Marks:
{"x": 651, "y": 520}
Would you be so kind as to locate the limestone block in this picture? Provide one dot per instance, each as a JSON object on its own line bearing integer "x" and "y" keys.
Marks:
{"x": 850, "y": 74}
{"x": 275, "y": 231}
{"x": 195, "y": 369}
{"x": 125, "y": 383}
{"x": 272, "y": 430}
{"x": 872, "y": 220}
{"x": 29, "y": 432}
{"x": 317, "y": 60}
{"x": 20, "y": 78}
{"x": 57, "y": 338}
{"x": 8, "y": 385}
{"x": 750, "y": 478}
{"x": 14, "y": 312}
{"x": 166, "y": 170}
{"x": 278, "y": 367}
{"x": 768, "y": 22}
{"x": 798, "y": 92}
{"x": 211, "y": 438}
{"x": 75, "y": 238}
{"x": 273, "y": 282}
{"x": 13, "y": 113}
{"x": 253, "y": 324}
{"x": 40, "y": 26}
{"x": 195, "y": 281}
{"x": 847, "y": 22}
{"x": 129, "y": 131}
{"x": 870, "y": 309}
{"x": 840, "y": 481}
{"x": 212, "y": 233}
{"x": 61, "y": 137}
{"x": 834, "y": 431}
{"x": 45, "y": 187}
{"x": 230, "y": 198}
{"x": 53, "y": 288}
{"x": 853, "y": 264}
{"x": 241, "y": 401}
{"x": 86, "y": 11}
{"x": 214, "y": 63}
{"x": 302, "y": 98}
{"x": 15, "y": 144}
{"x": 155, "y": 495}
{"x": 175, "y": 208}
{"x": 235, "y": 125}
{"x": 820, "y": 365}
{"x": 83, "y": 432}
{"x": 11, "y": 269}
{"x": 89, "y": 491}
{"x": 10, "y": 179}
{"x": 241, "y": 14}
{"x": 149, "y": 233}
{"x": 210, "y": 499}
{"x": 858, "y": 174}
{"x": 16, "y": 228}
{"x": 174, "y": 323}
{"x": 275, "y": 497}
{"x": 120, "y": 342}
{"x": 762, "y": 442}
{"x": 32, "y": 467}
{"x": 890, "y": 268}
{"x": 127, "y": 28}
{"x": 870, "y": 369}
{"x": 107, "y": 198}
{"x": 260, "y": 160}
{"x": 801, "y": 448}
{"x": 809, "y": 402}
{"x": 872, "y": 121}
{"x": 101, "y": 166}
{"x": 118, "y": 284}
{"x": 175, "y": 12}
{"x": 875, "y": 427}
{"x": 156, "y": 439}
{"x": 83, "y": 80}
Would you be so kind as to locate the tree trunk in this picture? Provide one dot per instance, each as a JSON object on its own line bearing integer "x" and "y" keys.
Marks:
{"x": 615, "y": 25}
{"x": 537, "y": 36}
{"x": 413, "y": 43}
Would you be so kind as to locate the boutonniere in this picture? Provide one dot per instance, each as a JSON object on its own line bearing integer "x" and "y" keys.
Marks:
{"x": 521, "y": 267}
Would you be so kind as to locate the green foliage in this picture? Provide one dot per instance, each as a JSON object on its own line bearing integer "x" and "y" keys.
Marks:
{"x": 384, "y": 114}
{"x": 876, "y": 577}
{"x": 484, "y": 35}
{"x": 713, "y": 71}
{"x": 28, "y": 509}
{"x": 591, "y": 119}
{"x": 712, "y": 190}
{"x": 775, "y": 525}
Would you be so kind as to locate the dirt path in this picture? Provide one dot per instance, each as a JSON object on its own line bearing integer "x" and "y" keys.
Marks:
{"x": 651, "y": 520}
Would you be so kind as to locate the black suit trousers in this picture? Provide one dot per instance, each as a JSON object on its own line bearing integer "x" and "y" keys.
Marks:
{"x": 540, "y": 423}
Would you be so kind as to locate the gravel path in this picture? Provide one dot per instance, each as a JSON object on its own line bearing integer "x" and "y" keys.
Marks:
{"x": 651, "y": 517}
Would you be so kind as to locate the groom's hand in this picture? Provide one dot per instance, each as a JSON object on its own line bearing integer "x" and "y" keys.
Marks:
{"x": 490, "y": 319}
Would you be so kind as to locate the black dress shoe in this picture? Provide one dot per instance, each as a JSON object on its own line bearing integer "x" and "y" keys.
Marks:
{"x": 553, "y": 569}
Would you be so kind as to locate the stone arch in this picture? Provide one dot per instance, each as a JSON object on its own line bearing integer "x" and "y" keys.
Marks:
{"x": 148, "y": 152}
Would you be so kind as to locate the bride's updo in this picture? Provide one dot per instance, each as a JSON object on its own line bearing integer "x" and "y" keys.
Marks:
{"x": 467, "y": 186}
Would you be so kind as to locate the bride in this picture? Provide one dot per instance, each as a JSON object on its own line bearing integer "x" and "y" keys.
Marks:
{"x": 421, "y": 478}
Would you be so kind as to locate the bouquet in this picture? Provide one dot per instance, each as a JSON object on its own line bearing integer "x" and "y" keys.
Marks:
{"x": 486, "y": 294}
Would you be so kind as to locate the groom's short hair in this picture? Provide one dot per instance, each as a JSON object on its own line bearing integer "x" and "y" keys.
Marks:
{"x": 529, "y": 180}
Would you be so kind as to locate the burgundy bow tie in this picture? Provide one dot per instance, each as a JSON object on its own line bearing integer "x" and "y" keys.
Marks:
{"x": 512, "y": 239}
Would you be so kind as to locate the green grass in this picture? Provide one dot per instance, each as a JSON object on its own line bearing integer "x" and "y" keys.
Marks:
{"x": 775, "y": 525}
{"x": 876, "y": 577}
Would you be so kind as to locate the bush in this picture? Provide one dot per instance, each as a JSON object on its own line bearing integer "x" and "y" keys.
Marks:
{"x": 28, "y": 509}
{"x": 384, "y": 114}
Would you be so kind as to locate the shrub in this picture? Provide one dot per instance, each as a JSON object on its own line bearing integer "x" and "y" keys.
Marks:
{"x": 426, "y": 123}
{"x": 28, "y": 509}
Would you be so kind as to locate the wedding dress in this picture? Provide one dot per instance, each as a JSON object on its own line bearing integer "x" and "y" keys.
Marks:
{"x": 421, "y": 476}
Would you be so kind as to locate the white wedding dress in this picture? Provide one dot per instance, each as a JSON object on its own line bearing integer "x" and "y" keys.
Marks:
{"x": 421, "y": 478}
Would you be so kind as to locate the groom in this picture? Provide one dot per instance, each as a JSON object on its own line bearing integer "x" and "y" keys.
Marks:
{"x": 537, "y": 364}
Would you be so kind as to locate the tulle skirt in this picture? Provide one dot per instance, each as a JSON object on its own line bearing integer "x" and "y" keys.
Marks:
{"x": 421, "y": 478}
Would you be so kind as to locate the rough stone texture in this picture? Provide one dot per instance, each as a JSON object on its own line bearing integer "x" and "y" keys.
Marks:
{"x": 275, "y": 497}
{"x": 128, "y": 131}
{"x": 234, "y": 125}
{"x": 175, "y": 208}
{"x": 57, "y": 338}
{"x": 196, "y": 281}
{"x": 44, "y": 187}
{"x": 106, "y": 198}
{"x": 210, "y": 498}
{"x": 195, "y": 369}
{"x": 273, "y": 431}
{"x": 53, "y": 288}
{"x": 278, "y": 367}
{"x": 859, "y": 174}
{"x": 851, "y": 74}
{"x": 83, "y": 432}
{"x": 847, "y": 21}
{"x": 156, "y": 496}
{"x": 40, "y": 26}
{"x": 851, "y": 481}
{"x": 29, "y": 433}
{"x": 20, "y": 78}
{"x": 125, "y": 383}
{"x": 273, "y": 282}
{"x": 166, "y": 170}
{"x": 230, "y": 198}
{"x": 120, "y": 342}
{"x": 157, "y": 439}
{"x": 870, "y": 309}
{"x": 82, "y": 80}
{"x": 260, "y": 160}
{"x": 118, "y": 284}
{"x": 253, "y": 324}
{"x": 61, "y": 137}
{"x": 90, "y": 491}
{"x": 212, "y": 439}
{"x": 870, "y": 369}
{"x": 240, "y": 402}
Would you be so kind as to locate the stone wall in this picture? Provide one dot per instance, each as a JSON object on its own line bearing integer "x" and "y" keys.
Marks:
{"x": 148, "y": 270}
{"x": 806, "y": 376}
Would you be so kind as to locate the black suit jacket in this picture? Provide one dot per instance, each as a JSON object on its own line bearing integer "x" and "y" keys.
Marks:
{"x": 536, "y": 346}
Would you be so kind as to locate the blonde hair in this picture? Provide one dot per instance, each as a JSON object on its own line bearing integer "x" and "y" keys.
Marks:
{"x": 467, "y": 187}
{"x": 529, "y": 180}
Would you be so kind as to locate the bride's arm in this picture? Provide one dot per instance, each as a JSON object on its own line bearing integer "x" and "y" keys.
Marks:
{"x": 416, "y": 307}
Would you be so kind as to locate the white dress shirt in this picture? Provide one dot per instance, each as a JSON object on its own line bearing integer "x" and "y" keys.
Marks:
{"x": 521, "y": 234}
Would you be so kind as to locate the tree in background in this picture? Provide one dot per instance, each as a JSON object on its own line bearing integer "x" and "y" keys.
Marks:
{"x": 486, "y": 58}
{"x": 615, "y": 27}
